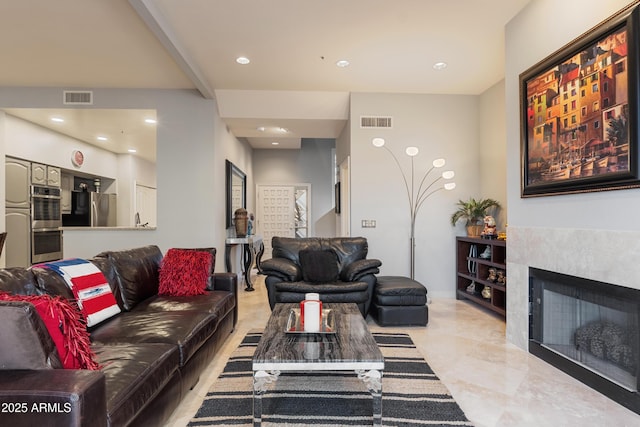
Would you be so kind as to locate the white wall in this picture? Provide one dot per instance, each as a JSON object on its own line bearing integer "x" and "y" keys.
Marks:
{"x": 440, "y": 126}
{"x": 28, "y": 141}
{"x": 572, "y": 234}
{"x": 493, "y": 149}
{"x": 343, "y": 149}
{"x": 190, "y": 166}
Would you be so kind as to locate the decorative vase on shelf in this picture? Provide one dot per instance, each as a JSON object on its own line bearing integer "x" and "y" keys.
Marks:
{"x": 241, "y": 220}
{"x": 474, "y": 230}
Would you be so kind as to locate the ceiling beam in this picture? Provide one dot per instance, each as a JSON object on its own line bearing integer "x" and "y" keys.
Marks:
{"x": 158, "y": 25}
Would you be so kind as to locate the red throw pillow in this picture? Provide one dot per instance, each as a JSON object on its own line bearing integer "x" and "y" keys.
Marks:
{"x": 64, "y": 323}
{"x": 184, "y": 272}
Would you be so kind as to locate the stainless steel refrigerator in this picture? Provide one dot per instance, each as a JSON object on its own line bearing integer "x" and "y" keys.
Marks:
{"x": 91, "y": 209}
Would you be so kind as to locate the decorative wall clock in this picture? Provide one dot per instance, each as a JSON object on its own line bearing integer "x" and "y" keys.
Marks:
{"x": 77, "y": 158}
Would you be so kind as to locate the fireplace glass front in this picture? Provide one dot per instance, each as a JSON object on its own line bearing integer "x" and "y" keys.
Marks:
{"x": 588, "y": 329}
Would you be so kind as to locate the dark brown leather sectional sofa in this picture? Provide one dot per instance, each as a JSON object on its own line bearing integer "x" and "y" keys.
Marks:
{"x": 152, "y": 353}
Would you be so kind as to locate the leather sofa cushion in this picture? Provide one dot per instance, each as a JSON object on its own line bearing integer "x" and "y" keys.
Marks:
{"x": 394, "y": 315}
{"x": 80, "y": 395}
{"x": 188, "y": 330}
{"x": 134, "y": 373}
{"x": 354, "y": 297}
{"x": 319, "y": 266}
{"x": 137, "y": 273}
{"x": 322, "y": 288}
{"x": 105, "y": 265}
{"x": 215, "y": 302}
{"x": 65, "y": 327}
{"x": 399, "y": 291}
{"x": 356, "y": 292}
{"x": 19, "y": 281}
{"x": 26, "y": 341}
{"x": 52, "y": 283}
{"x": 289, "y": 247}
{"x": 348, "y": 249}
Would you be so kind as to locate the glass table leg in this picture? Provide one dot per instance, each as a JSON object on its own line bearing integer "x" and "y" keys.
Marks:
{"x": 260, "y": 381}
{"x": 373, "y": 380}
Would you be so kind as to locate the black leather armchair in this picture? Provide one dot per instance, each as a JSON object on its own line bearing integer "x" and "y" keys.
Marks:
{"x": 336, "y": 268}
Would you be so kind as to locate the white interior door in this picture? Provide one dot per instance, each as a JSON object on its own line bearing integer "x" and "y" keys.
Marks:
{"x": 146, "y": 199}
{"x": 275, "y": 213}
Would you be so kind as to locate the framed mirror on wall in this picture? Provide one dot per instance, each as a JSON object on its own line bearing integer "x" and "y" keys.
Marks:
{"x": 236, "y": 186}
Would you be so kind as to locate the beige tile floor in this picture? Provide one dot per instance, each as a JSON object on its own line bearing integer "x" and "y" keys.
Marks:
{"x": 494, "y": 382}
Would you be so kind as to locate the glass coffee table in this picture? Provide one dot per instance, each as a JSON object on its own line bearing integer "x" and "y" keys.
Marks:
{"x": 344, "y": 344}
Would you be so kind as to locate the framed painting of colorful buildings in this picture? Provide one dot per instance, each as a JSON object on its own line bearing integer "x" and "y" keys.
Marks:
{"x": 579, "y": 113}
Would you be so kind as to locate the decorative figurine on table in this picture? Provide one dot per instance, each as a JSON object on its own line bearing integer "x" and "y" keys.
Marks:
{"x": 250, "y": 225}
{"x": 486, "y": 254}
{"x": 489, "y": 231}
{"x": 502, "y": 235}
{"x": 486, "y": 292}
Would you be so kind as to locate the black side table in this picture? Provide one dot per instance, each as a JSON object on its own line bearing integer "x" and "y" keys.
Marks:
{"x": 252, "y": 250}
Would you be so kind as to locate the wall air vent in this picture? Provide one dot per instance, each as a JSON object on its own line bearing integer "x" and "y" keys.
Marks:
{"x": 78, "y": 97}
{"x": 375, "y": 122}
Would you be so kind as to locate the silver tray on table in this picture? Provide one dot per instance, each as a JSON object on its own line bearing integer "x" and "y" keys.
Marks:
{"x": 294, "y": 326}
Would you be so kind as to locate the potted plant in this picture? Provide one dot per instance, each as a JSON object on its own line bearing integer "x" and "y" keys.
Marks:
{"x": 473, "y": 212}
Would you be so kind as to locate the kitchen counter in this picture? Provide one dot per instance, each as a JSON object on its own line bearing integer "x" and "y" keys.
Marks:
{"x": 120, "y": 228}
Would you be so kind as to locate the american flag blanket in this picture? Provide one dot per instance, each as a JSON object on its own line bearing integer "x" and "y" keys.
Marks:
{"x": 89, "y": 286}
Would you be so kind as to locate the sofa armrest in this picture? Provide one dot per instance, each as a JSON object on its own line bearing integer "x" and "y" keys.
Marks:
{"x": 282, "y": 268}
{"x": 60, "y": 397}
{"x": 227, "y": 282}
{"x": 224, "y": 282}
{"x": 360, "y": 268}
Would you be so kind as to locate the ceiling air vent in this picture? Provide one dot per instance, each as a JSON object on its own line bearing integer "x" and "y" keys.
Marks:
{"x": 78, "y": 97}
{"x": 375, "y": 122}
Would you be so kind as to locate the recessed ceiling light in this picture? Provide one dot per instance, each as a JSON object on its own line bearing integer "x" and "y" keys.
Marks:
{"x": 102, "y": 138}
{"x": 261, "y": 129}
{"x": 342, "y": 63}
{"x": 151, "y": 121}
{"x": 282, "y": 130}
{"x": 275, "y": 143}
{"x": 57, "y": 119}
{"x": 242, "y": 60}
{"x": 132, "y": 150}
{"x": 439, "y": 65}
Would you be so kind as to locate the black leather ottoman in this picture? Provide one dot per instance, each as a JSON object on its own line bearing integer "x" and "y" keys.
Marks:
{"x": 399, "y": 301}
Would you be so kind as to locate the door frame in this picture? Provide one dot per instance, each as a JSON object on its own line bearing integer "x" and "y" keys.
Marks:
{"x": 344, "y": 217}
{"x": 259, "y": 213}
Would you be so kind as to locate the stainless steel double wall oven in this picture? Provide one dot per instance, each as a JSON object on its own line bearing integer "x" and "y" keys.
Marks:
{"x": 46, "y": 220}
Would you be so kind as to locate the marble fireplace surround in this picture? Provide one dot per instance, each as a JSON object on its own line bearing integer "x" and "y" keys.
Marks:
{"x": 608, "y": 256}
